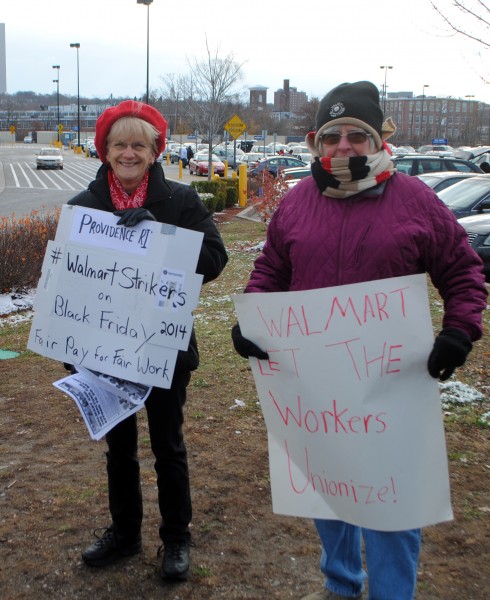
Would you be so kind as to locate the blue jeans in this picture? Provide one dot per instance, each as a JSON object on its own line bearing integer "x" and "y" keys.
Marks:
{"x": 391, "y": 560}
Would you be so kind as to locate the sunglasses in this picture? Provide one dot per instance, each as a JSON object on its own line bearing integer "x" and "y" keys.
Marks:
{"x": 353, "y": 137}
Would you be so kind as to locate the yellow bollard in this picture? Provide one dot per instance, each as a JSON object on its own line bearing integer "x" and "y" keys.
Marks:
{"x": 233, "y": 174}
{"x": 167, "y": 159}
{"x": 242, "y": 185}
{"x": 180, "y": 169}
{"x": 225, "y": 162}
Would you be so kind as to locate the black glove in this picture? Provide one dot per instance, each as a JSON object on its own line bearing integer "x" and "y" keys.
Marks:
{"x": 245, "y": 347}
{"x": 132, "y": 216}
{"x": 451, "y": 347}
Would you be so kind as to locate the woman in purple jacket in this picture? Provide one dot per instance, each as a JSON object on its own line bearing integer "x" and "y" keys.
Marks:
{"x": 357, "y": 220}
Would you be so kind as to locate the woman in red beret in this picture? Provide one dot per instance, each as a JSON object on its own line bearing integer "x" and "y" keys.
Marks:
{"x": 130, "y": 183}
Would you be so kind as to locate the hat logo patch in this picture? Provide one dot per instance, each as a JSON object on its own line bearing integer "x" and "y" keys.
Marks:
{"x": 337, "y": 109}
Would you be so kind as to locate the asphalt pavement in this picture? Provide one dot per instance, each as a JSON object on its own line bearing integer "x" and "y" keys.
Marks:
{"x": 23, "y": 188}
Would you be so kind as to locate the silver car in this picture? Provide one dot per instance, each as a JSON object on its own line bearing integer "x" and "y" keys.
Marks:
{"x": 49, "y": 158}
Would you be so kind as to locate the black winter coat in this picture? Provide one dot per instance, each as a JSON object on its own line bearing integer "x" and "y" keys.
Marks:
{"x": 175, "y": 204}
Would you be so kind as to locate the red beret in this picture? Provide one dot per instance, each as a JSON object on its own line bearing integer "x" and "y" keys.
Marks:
{"x": 128, "y": 108}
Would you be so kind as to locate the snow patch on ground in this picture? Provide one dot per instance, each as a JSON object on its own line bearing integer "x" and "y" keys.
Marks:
{"x": 15, "y": 307}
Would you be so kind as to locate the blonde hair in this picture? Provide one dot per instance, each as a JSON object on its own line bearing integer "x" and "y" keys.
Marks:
{"x": 132, "y": 126}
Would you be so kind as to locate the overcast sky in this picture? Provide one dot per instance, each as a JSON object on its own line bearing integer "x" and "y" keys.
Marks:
{"x": 316, "y": 45}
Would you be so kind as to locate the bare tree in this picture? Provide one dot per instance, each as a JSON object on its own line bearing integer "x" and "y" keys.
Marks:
{"x": 210, "y": 98}
{"x": 475, "y": 17}
{"x": 469, "y": 19}
{"x": 171, "y": 103}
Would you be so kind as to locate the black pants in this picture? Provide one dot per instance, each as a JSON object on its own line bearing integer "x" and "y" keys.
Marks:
{"x": 165, "y": 419}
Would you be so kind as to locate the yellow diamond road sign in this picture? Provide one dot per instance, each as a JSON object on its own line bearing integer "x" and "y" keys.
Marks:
{"x": 235, "y": 126}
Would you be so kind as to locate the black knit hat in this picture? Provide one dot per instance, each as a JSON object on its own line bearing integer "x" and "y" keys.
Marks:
{"x": 359, "y": 101}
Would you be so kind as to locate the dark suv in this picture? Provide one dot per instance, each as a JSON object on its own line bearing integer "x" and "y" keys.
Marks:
{"x": 416, "y": 164}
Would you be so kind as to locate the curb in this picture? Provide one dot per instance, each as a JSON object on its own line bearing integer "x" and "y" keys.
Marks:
{"x": 250, "y": 214}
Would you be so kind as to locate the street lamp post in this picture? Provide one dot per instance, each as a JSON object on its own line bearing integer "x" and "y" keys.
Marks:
{"x": 422, "y": 113}
{"x": 467, "y": 130}
{"x": 77, "y": 46}
{"x": 147, "y": 4}
{"x": 385, "y": 67}
{"x": 57, "y": 81}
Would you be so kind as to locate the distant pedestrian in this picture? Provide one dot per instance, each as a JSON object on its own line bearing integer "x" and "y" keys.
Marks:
{"x": 183, "y": 156}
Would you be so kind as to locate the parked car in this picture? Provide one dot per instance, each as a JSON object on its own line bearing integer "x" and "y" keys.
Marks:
{"x": 471, "y": 153}
{"x": 245, "y": 145}
{"x": 439, "y": 181}
{"x": 478, "y": 229}
{"x": 306, "y": 157}
{"x": 274, "y": 164}
{"x": 175, "y": 154}
{"x": 28, "y": 139}
{"x": 199, "y": 164}
{"x": 264, "y": 150}
{"x": 482, "y": 160}
{"x": 295, "y": 174}
{"x": 468, "y": 197}
{"x": 403, "y": 150}
{"x": 277, "y": 147}
{"x": 300, "y": 151}
{"x": 86, "y": 142}
{"x": 228, "y": 154}
{"x": 49, "y": 158}
{"x": 250, "y": 159}
{"x": 92, "y": 151}
{"x": 416, "y": 164}
{"x": 439, "y": 149}
{"x": 297, "y": 149}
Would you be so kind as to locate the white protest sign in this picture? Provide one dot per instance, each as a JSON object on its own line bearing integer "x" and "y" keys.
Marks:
{"x": 353, "y": 417}
{"x": 121, "y": 305}
{"x": 153, "y": 240}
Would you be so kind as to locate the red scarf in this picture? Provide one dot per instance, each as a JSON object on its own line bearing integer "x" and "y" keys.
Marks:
{"x": 121, "y": 199}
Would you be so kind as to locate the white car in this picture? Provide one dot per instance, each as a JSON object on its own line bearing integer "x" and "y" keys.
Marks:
{"x": 49, "y": 158}
{"x": 277, "y": 147}
{"x": 298, "y": 149}
{"x": 436, "y": 150}
{"x": 306, "y": 157}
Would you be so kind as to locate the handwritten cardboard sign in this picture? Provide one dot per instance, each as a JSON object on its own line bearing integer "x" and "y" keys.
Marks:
{"x": 353, "y": 417}
{"x": 117, "y": 300}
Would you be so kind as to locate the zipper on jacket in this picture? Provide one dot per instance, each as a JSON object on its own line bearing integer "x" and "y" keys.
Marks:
{"x": 360, "y": 246}
{"x": 350, "y": 205}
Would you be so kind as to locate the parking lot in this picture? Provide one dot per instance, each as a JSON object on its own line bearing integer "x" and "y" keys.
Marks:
{"x": 24, "y": 188}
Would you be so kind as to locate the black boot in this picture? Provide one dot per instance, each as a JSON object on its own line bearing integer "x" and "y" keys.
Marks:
{"x": 109, "y": 548}
{"x": 175, "y": 563}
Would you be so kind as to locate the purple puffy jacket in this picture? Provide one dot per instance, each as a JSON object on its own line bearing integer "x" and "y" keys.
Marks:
{"x": 314, "y": 241}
